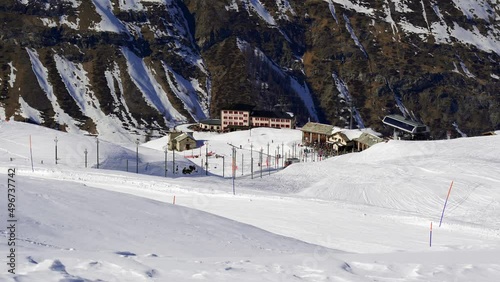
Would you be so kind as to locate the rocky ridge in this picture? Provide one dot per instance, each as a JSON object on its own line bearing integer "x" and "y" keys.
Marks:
{"x": 132, "y": 68}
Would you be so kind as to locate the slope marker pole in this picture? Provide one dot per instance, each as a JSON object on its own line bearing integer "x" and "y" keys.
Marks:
{"x": 442, "y": 214}
{"x": 430, "y": 236}
{"x": 31, "y": 156}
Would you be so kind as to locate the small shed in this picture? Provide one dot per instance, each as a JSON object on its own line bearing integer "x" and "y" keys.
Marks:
{"x": 210, "y": 124}
{"x": 181, "y": 141}
{"x": 366, "y": 140}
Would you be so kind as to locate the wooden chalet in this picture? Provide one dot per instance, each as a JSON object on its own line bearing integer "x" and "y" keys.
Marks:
{"x": 316, "y": 133}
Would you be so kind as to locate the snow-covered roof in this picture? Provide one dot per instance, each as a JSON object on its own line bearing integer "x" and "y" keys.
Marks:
{"x": 211, "y": 121}
{"x": 369, "y": 139}
{"x": 183, "y": 136}
{"x": 315, "y": 127}
{"x": 352, "y": 134}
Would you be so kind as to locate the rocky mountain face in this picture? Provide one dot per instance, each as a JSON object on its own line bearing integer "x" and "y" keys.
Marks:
{"x": 125, "y": 69}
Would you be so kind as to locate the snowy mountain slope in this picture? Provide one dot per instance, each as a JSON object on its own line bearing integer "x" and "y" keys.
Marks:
{"x": 187, "y": 92}
{"x": 108, "y": 20}
{"x": 99, "y": 30}
{"x": 383, "y": 236}
{"x": 437, "y": 58}
{"x": 77, "y": 84}
{"x": 443, "y": 32}
{"x": 42, "y": 77}
{"x": 91, "y": 234}
{"x": 115, "y": 84}
{"x": 301, "y": 91}
{"x": 154, "y": 95}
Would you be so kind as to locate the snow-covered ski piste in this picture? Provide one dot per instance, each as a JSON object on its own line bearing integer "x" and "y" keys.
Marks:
{"x": 357, "y": 217}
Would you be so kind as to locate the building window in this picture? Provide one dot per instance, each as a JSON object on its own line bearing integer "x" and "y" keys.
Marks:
{"x": 225, "y": 112}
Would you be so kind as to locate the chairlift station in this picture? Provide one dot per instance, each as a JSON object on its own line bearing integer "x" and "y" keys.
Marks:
{"x": 409, "y": 128}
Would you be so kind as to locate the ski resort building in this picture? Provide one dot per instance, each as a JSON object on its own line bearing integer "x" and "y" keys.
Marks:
{"x": 235, "y": 117}
{"x": 316, "y": 133}
{"x": 210, "y": 124}
{"x": 241, "y": 117}
{"x": 272, "y": 119}
{"x": 338, "y": 140}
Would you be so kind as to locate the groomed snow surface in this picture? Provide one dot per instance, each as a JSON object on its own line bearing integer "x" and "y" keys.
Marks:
{"x": 357, "y": 217}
